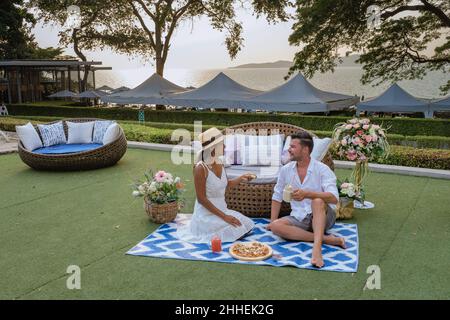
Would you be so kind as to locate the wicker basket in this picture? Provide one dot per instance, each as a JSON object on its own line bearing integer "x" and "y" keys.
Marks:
{"x": 255, "y": 200}
{"x": 101, "y": 157}
{"x": 161, "y": 213}
{"x": 344, "y": 209}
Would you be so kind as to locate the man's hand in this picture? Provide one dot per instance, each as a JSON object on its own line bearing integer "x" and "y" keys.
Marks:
{"x": 269, "y": 226}
{"x": 299, "y": 194}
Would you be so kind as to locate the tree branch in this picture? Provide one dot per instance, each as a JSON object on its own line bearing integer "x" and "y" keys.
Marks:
{"x": 389, "y": 14}
{"x": 144, "y": 26}
{"x": 437, "y": 12}
{"x": 425, "y": 7}
{"x": 176, "y": 16}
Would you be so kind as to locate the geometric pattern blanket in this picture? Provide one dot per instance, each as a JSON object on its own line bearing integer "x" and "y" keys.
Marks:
{"x": 163, "y": 243}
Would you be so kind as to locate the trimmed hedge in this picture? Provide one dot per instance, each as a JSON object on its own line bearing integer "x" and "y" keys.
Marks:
{"x": 403, "y": 126}
{"x": 401, "y": 156}
{"x": 424, "y": 142}
{"x": 411, "y": 157}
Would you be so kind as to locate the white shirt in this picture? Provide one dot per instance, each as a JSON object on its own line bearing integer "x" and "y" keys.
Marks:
{"x": 319, "y": 178}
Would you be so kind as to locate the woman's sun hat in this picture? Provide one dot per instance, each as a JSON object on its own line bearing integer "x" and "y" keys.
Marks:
{"x": 207, "y": 140}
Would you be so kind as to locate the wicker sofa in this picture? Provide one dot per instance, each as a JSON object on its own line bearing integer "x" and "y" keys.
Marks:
{"x": 255, "y": 200}
{"x": 104, "y": 156}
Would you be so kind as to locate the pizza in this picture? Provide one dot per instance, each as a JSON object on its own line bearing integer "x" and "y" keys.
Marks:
{"x": 250, "y": 251}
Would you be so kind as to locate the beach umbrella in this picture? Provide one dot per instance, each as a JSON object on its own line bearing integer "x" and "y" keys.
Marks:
{"x": 64, "y": 94}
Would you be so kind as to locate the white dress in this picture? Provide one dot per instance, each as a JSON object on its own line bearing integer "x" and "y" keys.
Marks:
{"x": 204, "y": 224}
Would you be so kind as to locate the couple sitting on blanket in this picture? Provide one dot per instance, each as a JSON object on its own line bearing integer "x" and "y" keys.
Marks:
{"x": 313, "y": 199}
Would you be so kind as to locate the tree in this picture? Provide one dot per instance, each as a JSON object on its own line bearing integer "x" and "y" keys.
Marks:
{"x": 146, "y": 27}
{"x": 394, "y": 51}
{"x": 16, "y": 41}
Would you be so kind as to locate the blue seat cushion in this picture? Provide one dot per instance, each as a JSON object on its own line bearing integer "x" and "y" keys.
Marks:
{"x": 67, "y": 148}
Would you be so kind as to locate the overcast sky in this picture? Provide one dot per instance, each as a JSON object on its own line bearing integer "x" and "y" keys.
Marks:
{"x": 201, "y": 47}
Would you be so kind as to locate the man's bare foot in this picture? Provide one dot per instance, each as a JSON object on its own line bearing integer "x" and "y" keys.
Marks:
{"x": 335, "y": 241}
{"x": 317, "y": 260}
{"x": 340, "y": 242}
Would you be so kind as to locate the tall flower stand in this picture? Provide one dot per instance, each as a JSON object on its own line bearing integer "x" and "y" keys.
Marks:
{"x": 359, "y": 174}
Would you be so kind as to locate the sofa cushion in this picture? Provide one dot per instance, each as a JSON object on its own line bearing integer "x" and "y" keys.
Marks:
{"x": 79, "y": 132}
{"x": 111, "y": 134}
{"x": 67, "y": 148}
{"x": 232, "y": 153}
{"x": 264, "y": 174}
{"x": 29, "y": 136}
{"x": 52, "y": 134}
{"x": 321, "y": 147}
{"x": 262, "y": 150}
{"x": 100, "y": 127}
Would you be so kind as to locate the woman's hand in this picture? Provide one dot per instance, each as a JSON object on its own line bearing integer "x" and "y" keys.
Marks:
{"x": 247, "y": 177}
{"x": 232, "y": 220}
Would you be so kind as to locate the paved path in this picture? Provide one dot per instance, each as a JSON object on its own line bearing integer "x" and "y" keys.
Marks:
{"x": 8, "y": 142}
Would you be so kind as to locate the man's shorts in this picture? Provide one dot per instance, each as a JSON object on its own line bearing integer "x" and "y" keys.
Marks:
{"x": 306, "y": 223}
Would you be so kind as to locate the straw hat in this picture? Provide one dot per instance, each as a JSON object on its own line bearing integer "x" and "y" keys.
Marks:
{"x": 208, "y": 140}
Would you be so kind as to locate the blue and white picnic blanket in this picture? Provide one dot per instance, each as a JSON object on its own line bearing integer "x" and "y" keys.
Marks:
{"x": 163, "y": 243}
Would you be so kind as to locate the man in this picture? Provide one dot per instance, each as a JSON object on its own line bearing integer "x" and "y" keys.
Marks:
{"x": 313, "y": 201}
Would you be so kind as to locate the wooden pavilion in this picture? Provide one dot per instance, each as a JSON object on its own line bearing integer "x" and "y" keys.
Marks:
{"x": 32, "y": 80}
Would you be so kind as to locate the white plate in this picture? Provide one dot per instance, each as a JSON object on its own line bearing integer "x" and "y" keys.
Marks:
{"x": 367, "y": 205}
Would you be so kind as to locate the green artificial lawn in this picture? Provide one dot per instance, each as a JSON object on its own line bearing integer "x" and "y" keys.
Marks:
{"x": 49, "y": 221}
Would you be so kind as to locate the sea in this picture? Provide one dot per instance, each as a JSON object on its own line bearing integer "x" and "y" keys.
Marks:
{"x": 345, "y": 79}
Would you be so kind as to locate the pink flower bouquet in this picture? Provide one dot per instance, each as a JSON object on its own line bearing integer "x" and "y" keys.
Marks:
{"x": 360, "y": 140}
{"x": 159, "y": 188}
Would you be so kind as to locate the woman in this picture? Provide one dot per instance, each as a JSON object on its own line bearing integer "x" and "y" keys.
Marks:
{"x": 211, "y": 216}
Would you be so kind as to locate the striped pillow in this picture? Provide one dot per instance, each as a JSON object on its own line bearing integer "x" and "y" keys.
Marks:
{"x": 100, "y": 128}
{"x": 52, "y": 134}
{"x": 262, "y": 150}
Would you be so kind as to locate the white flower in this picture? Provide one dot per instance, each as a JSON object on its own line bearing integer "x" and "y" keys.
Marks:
{"x": 136, "y": 193}
{"x": 142, "y": 188}
{"x": 351, "y": 193}
{"x": 177, "y": 179}
{"x": 152, "y": 187}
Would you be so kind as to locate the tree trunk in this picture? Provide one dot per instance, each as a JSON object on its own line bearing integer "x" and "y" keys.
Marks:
{"x": 160, "y": 71}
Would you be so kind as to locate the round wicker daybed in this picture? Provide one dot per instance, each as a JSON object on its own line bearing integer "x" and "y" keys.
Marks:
{"x": 104, "y": 156}
{"x": 255, "y": 200}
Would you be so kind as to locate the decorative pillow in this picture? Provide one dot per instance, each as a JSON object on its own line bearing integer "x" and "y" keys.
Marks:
{"x": 111, "y": 134}
{"x": 52, "y": 134}
{"x": 232, "y": 149}
{"x": 79, "y": 132}
{"x": 100, "y": 128}
{"x": 320, "y": 149}
{"x": 263, "y": 150}
{"x": 29, "y": 137}
{"x": 285, "y": 156}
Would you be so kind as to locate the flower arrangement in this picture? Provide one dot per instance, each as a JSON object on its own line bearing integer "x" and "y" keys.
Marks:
{"x": 360, "y": 140}
{"x": 348, "y": 190}
{"x": 159, "y": 188}
{"x": 348, "y": 193}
